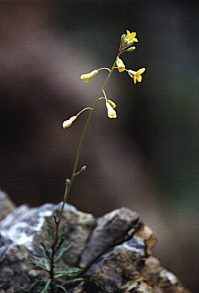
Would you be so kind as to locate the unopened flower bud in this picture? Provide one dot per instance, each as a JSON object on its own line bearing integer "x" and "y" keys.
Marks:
{"x": 88, "y": 76}
{"x": 67, "y": 123}
{"x": 110, "y": 105}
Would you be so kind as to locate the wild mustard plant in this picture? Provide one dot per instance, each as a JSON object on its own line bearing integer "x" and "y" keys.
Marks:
{"x": 127, "y": 45}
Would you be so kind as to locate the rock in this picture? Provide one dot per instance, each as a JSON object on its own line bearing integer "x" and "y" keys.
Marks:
{"x": 147, "y": 235}
{"x": 123, "y": 262}
{"x": 21, "y": 232}
{"x": 138, "y": 286}
{"x": 6, "y": 205}
{"x": 160, "y": 278}
{"x": 76, "y": 229}
{"x": 111, "y": 230}
{"x": 14, "y": 268}
{"x": 128, "y": 267}
{"x": 115, "y": 250}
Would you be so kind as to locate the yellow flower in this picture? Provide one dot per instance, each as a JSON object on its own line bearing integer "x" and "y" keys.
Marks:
{"x": 88, "y": 76}
{"x": 67, "y": 123}
{"x": 120, "y": 64}
{"x": 136, "y": 75}
{"x": 130, "y": 38}
{"x": 110, "y": 106}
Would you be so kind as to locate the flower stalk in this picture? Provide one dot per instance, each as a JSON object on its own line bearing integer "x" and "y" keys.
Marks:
{"x": 126, "y": 45}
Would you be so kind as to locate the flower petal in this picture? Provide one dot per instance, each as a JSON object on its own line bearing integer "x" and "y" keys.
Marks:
{"x": 134, "y": 79}
{"x": 141, "y": 70}
{"x": 131, "y": 73}
{"x": 130, "y": 38}
{"x": 120, "y": 64}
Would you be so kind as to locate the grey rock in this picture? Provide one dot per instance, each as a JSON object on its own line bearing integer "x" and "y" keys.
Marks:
{"x": 21, "y": 226}
{"x": 76, "y": 228}
{"x": 115, "y": 249}
{"x": 160, "y": 278}
{"x": 111, "y": 230}
{"x": 6, "y": 205}
{"x": 20, "y": 233}
{"x": 121, "y": 263}
{"x": 14, "y": 269}
{"x": 138, "y": 287}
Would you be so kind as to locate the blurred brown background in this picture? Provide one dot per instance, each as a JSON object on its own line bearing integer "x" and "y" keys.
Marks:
{"x": 148, "y": 159}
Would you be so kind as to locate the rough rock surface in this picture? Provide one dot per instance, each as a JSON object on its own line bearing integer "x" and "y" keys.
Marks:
{"x": 111, "y": 230}
{"x": 6, "y": 205}
{"x": 115, "y": 252}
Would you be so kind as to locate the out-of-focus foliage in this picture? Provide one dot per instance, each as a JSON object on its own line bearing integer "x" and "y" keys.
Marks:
{"x": 157, "y": 135}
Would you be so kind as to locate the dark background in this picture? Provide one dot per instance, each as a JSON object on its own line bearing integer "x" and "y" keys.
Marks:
{"x": 148, "y": 159}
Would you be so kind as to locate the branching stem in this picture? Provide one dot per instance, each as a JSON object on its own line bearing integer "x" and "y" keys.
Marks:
{"x": 69, "y": 181}
{"x": 83, "y": 135}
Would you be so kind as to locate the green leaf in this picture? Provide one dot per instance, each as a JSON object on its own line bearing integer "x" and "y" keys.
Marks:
{"x": 75, "y": 280}
{"x": 61, "y": 252}
{"x": 45, "y": 289}
{"x": 69, "y": 273}
{"x": 62, "y": 288}
{"x": 42, "y": 263}
{"x": 45, "y": 251}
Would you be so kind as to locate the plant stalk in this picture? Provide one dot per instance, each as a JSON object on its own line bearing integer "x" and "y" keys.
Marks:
{"x": 69, "y": 182}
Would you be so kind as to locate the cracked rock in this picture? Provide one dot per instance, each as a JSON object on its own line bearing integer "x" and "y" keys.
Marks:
{"x": 20, "y": 234}
{"x": 116, "y": 251}
{"x": 120, "y": 264}
{"x": 111, "y": 230}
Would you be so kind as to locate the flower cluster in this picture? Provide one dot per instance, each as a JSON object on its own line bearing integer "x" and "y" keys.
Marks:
{"x": 135, "y": 75}
{"x": 127, "y": 45}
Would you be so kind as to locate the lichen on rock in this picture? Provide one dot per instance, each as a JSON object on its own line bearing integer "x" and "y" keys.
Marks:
{"x": 114, "y": 250}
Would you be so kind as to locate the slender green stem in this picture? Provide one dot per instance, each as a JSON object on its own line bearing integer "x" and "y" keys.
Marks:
{"x": 83, "y": 110}
{"x": 104, "y": 68}
{"x": 69, "y": 182}
{"x": 75, "y": 171}
{"x": 82, "y": 136}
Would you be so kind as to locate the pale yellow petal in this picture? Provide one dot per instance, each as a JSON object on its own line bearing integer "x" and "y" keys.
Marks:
{"x": 139, "y": 78}
{"x": 141, "y": 70}
{"x": 131, "y": 73}
{"x": 120, "y": 64}
{"x": 130, "y": 38}
{"x": 134, "y": 79}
